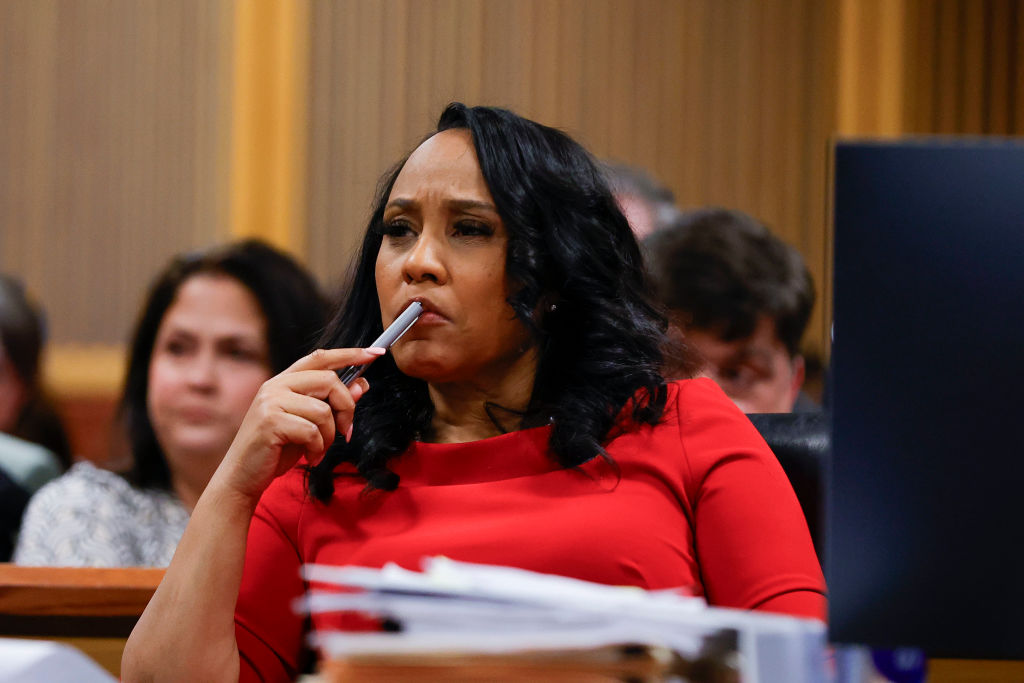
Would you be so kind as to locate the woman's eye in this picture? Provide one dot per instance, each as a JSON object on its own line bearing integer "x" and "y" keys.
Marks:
{"x": 175, "y": 347}
{"x": 473, "y": 229}
{"x": 243, "y": 354}
{"x": 396, "y": 229}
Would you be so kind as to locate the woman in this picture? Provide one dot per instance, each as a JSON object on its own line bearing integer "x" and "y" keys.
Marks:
{"x": 521, "y": 421}
{"x": 215, "y": 326}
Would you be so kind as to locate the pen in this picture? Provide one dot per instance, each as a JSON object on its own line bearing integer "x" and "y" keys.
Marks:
{"x": 392, "y": 334}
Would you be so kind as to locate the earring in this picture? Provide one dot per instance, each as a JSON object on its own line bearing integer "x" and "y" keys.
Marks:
{"x": 552, "y": 308}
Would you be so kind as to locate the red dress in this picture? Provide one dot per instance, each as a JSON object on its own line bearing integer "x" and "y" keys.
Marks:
{"x": 697, "y": 501}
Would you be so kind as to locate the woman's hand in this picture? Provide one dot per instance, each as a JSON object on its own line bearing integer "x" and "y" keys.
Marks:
{"x": 295, "y": 413}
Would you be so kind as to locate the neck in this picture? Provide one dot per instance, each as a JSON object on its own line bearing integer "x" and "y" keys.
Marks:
{"x": 460, "y": 408}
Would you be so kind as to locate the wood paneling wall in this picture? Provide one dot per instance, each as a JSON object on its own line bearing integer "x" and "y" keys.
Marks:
{"x": 728, "y": 103}
{"x": 965, "y": 67}
{"x": 946, "y": 67}
{"x": 127, "y": 133}
{"x": 113, "y": 148}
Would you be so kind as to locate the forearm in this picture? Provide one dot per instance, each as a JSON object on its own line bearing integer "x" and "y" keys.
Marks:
{"x": 187, "y": 631}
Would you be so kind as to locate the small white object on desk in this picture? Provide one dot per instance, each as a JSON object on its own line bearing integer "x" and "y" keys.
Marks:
{"x": 45, "y": 661}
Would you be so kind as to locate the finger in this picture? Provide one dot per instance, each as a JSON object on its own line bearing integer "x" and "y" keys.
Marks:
{"x": 298, "y": 431}
{"x": 336, "y": 359}
{"x": 312, "y": 410}
{"x": 343, "y": 404}
{"x": 358, "y": 388}
{"x": 318, "y": 383}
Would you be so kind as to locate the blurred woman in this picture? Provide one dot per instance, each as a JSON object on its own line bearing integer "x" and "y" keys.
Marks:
{"x": 214, "y": 327}
{"x": 521, "y": 421}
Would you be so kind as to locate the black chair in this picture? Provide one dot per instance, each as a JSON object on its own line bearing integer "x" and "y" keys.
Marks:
{"x": 802, "y": 442}
{"x": 13, "y": 499}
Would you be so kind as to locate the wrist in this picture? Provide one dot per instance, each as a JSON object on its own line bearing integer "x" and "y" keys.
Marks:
{"x": 227, "y": 496}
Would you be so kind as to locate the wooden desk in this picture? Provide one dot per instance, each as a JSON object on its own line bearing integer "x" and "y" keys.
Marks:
{"x": 508, "y": 669}
{"x": 975, "y": 671}
{"x": 91, "y": 609}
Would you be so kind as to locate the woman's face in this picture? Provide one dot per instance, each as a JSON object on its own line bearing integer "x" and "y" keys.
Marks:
{"x": 444, "y": 244}
{"x": 13, "y": 393}
{"x": 209, "y": 359}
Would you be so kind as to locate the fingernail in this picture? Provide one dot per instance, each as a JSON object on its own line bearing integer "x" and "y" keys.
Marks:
{"x": 348, "y": 434}
{"x": 376, "y": 350}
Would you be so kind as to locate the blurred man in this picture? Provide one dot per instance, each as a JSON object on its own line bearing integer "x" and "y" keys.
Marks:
{"x": 738, "y": 297}
{"x": 647, "y": 205}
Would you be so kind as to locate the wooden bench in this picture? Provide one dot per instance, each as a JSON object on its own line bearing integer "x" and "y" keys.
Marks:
{"x": 89, "y": 608}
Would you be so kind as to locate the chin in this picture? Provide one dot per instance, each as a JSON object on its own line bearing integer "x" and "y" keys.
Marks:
{"x": 203, "y": 446}
{"x": 425, "y": 366}
{"x": 431, "y": 375}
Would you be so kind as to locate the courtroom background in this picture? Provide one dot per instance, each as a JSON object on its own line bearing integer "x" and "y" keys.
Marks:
{"x": 131, "y": 130}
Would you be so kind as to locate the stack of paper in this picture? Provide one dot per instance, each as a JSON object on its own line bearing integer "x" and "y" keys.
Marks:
{"x": 455, "y": 617}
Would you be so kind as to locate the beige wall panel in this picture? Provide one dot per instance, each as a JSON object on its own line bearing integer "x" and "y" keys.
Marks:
{"x": 112, "y": 150}
{"x": 711, "y": 97}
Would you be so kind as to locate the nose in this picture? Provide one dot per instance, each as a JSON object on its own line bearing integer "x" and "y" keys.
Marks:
{"x": 425, "y": 262}
{"x": 201, "y": 371}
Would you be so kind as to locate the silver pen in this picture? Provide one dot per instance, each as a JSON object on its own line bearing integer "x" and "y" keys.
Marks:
{"x": 393, "y": 333}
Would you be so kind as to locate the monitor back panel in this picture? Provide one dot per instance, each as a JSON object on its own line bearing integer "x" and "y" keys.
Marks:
{"x": 925, "y": 516}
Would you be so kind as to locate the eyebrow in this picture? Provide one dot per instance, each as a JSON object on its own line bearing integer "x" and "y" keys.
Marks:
{"x": 461, "y": 204}
{"x": 191, "y": 333}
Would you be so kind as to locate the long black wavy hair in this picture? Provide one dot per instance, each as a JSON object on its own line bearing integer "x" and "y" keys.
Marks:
{"x": 289, "y": 297}
{"x": 568, "y": 245}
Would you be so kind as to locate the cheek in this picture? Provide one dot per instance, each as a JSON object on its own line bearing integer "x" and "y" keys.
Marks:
{"x": 12, "y": 389}
{"x": 489, "y": 287}
{"x": 161, "y": 384}
{"x": 242, "y": 386}
{"x": 10, "y": 401}
{"x": 384, "y": 272}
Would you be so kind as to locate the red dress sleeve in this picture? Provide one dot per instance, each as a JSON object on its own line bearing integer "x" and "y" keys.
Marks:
{"x": 752, "y": 541}
{"x": 268, "y": 631}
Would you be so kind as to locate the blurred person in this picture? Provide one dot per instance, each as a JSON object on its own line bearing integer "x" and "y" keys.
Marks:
{"x": 25, "y": 410}
{"x": 740, "y": 299}
{"x": 648, "y": 205}
{"x": 215, "y": 326}
{"x": 33, "y": 445}
{"x": 521, "y": 421}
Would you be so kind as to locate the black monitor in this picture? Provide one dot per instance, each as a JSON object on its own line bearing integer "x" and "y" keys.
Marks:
{"x": 925, "y": 543}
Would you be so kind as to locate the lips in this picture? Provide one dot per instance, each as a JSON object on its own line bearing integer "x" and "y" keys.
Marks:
{"x": 431, "y": 312}
{"x": 197, "y": 414}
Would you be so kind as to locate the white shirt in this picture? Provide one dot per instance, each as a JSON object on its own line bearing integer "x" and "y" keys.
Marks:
{"x": 91, "y": 517}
